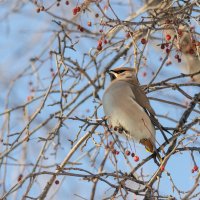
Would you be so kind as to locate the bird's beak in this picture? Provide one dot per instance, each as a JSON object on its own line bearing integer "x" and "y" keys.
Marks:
{"x": 112, "y": 74}
{"x": 109, "y": 71}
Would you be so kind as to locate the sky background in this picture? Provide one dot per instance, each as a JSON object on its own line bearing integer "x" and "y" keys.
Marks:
{"x": 25, "y": 35}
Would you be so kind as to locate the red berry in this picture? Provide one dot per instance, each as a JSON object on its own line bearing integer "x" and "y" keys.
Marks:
{"x": 127, "y": 152}
{"x": 38, "y": 10}
{"x": 143, "y": 41}
{"x": 100, "y": 43}
{"x": 78, "y": 9}
{"x": 116, "y": 152}
{"x": 67, "y": 2}
{"x": 81, "y": 29}
{"x": 162, "y": 168}
{"x": 89, "y": 23}
{"x": 132, "y": 154}
{"x": 144, "y": 74}
{"x": 195, "y": 168}
{"x": 168, "y": 37}
{"x": 29, "y": 98}
{"x": 96, "y": 15}
{"x": 99, "y": 47}
{"x": 162, "y": 46}
{"x": 176, "y": 56}
{"x": 115, "y": 128}
{"x": 136, "y": 158}
{"x": 75, "y": 11}
{"x": 20, "y": 177}
{"x": 105, "y": 41}
{"x": 56, "y": 182}
{"x": 167, "y": 51}
{"x": 180, "y": 32}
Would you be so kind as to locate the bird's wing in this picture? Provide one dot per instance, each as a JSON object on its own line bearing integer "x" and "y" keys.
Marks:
{"x": 143, "y": 101}
{"x": 141, "y": 98}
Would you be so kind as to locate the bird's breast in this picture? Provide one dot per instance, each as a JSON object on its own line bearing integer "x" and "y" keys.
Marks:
{"x": 122, "y": 110}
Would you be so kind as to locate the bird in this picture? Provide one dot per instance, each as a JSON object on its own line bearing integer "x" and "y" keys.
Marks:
{"x": 187, "y": 45}
{"x": 127, "y": 108}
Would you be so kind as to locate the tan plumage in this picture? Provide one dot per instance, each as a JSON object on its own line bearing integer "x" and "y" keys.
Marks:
{"x": 189, "y": 49}
{"x": 126, "y": 105}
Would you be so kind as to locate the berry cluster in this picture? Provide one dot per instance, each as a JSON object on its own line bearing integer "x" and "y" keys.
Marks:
{"x": 177, "y": 57}
{"x": 76, "y": 10}
{"x": 165, "y": 45}
{"x": 39, "y": 9}
{"x": 80, "y": 28}
{"x": 128, "y": 153}
{"x": 143, "y": 41}
{"x": 111, "y": 147}
{"x": 195, "y": 169}
{"x": 100, "y": 43}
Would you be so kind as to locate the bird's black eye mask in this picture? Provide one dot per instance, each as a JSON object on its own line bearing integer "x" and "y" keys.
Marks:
{"x": 118, "y": 72}
{"x": 113, "y": 74}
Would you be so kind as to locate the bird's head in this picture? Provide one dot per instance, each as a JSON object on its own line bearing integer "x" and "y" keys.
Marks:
{"x": 122, "y": 73}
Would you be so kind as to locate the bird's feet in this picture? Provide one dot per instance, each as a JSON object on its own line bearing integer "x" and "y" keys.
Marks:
{"x": 120, "y": 129}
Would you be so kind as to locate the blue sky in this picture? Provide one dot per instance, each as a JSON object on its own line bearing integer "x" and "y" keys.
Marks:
{"x": 24, "y": 35}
